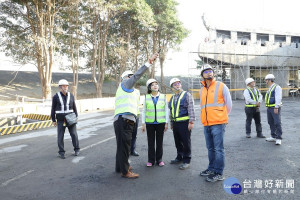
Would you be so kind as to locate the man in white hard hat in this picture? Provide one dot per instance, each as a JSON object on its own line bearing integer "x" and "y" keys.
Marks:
{"x": 63, "y": 103}
{"x": 253, "y": 99}
{"x": 125, "y": 117}
{"x": 273, "y": 102}
{"x": 215, "y": 105}
{"x": 182, "y": 117}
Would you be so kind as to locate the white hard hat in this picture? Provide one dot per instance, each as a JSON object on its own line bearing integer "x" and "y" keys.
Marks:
{"x": 151, "y": 80}
{"x": 270, "y": 76}
{"x": 249, "y": 80}
{"x": 173, "y": 80}
{"x": 126, "y": 73}
{"x": 63, "y": 82}
{"x": 205, "y": 67}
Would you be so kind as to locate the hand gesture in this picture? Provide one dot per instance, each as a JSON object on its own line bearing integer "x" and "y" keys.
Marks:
{"x": 153, "y": 58}
{"x": 191, "y": 126}
{"x": 166, "y": 127}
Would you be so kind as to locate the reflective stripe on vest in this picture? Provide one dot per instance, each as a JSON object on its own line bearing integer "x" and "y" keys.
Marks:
{"x": 176, "y": 116}
{"x": 125, "y": 102}
{"x": 62, "y": 104}
{"x": 138, "y": 100}
{"x": 268, "y": 96}
{"x": 254, "y": 97}
{"x": 212, "y": 104}
{"x": 155, "y": 112}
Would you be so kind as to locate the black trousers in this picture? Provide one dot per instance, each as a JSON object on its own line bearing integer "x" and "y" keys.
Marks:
{"x": 182, "y": 137}
{"x": 123, "y": 130}
{"x": 60, "y": 136}
{"x": 134, "y": 133}
{"x": 251, "y": 113}
{"x": 155, "y": 132}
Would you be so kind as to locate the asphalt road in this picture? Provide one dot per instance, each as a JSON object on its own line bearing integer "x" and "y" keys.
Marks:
{"x": 30, "y": 168}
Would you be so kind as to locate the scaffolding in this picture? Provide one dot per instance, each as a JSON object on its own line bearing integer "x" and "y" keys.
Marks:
{"x": 252, "y": 60}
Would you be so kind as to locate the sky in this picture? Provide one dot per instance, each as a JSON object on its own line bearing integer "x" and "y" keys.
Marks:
{"x": 276, "y": 15}
{"x": 268, "y": 14}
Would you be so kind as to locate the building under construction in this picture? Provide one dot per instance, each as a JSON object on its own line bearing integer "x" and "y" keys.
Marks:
{"x": 237, "y": 54}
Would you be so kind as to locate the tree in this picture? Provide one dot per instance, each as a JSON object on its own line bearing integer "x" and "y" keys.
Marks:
{"x": 126, "y": 31}
{"x": 28, "y": 35}
{"x": 71, "y": 38}
{"x": 168, "y": 33}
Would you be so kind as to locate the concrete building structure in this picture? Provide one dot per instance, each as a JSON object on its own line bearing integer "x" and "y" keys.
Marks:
{"x": 239, "y": 53}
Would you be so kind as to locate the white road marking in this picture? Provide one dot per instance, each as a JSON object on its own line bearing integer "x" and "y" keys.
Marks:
{"x": 92, "y": 145}
{"x": 12, "y": 149}
{"x": 16, "y": 178}
{"x": 77, "y": 159}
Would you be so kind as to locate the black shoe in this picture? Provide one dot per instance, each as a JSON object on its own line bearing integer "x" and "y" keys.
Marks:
{"x": 176, "y": 161}
{"x": 134, "y": 153}
{"x": 62, "y": 156}
{"x": 215, "y": 177}
{"x": 248, "y": 136}
{"x": 261, "y": 136}
{"x": 206, "y": 172}
{"x": 76, "y": 153}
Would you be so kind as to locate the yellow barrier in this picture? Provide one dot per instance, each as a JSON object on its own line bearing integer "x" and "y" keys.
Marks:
{"x": 25, "y": 127}
{"x": 37, "y": 117}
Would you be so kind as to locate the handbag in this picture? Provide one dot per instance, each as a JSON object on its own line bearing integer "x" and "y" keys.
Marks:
{"x": 71, "y": 119}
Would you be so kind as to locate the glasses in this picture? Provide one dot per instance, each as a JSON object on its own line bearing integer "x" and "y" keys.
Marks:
{"x": 177, "y": 83}
{"x": 207, "y": 71}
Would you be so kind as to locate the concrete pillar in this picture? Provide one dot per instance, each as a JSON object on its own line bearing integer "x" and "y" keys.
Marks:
{"x": 282, "y": 79}
{"x": 253, "y": 37}
{"x": 272, "y": 38}
{"x": 233, "y": 35}
{"x": 288, "y": 39}
{"x": 212, "y": 34}
{"x": 237, "y": 80}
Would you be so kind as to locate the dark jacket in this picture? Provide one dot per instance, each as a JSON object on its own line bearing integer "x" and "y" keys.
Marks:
{"x": 56, "y": 106}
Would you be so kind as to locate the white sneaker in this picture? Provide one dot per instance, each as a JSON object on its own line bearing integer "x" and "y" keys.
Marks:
{"x": 278, "y": 142}
{"x": 271, "y": 139}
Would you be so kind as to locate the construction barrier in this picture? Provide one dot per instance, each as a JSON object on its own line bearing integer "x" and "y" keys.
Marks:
{"x": 37, "y": 117}
{"x": 25, "y": 127}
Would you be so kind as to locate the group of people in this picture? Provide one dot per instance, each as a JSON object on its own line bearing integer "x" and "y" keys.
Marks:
{"x": 179, "y": 113}
{"x": 253, "y": 99}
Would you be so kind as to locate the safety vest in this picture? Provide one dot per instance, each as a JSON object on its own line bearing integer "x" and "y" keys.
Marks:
{"x": 255, "y": 97}
{"x": 270, "y": 97}
{"x": 155, "y": 112}
{"x": 178, "y": 111}
{"x": 125, "y": 101}
{"x": 212, "y": 104}
{"x": 138, "y": 94}
{"x": 61, "y": 108}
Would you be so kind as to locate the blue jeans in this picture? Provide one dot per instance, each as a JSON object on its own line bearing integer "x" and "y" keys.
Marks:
{"x": 214, "y": 136}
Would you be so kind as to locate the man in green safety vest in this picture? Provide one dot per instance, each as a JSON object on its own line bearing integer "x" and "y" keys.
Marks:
{"x": 125, "y": 117}
{"x": 182, "y": 115}
{"x": 273, "y": 103}
{"x": 253, "y": 99}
